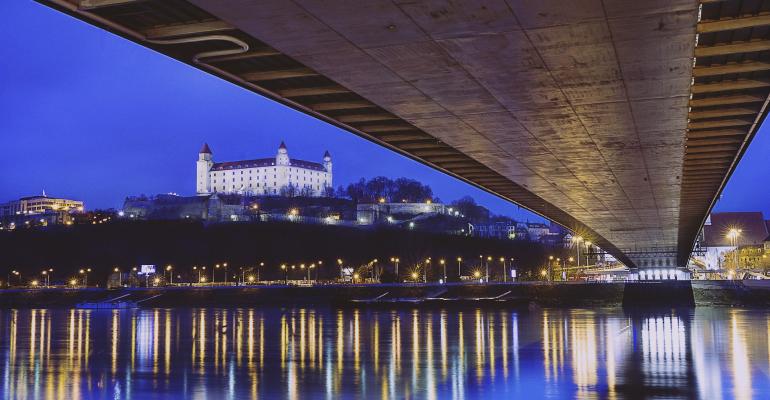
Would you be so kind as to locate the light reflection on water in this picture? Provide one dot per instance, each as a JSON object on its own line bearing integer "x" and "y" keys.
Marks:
{"x": 434, "y": 354}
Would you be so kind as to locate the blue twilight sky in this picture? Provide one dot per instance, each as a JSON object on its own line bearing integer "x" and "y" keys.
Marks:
{"x": 88, "y": 115}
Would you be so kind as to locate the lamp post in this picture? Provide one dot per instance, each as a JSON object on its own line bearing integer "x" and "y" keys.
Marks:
{"x": 443, "y": 264}
{"x": 200, "y": 271}
{"x": 85, "y": 272}
{"x": 588, "y": 247}
{"x": 459, "y": 268}
{"x": 285, "y": 274}
{"x": 259, "y": 270}
{"x": 733, "y": 234}
{"x": 577, "y": 240}
{"x": 425, "y": 270}
{"x": 339, "y": 262}
{"x": 395, "y": 260}
{"x": 550, "y": 268}
{"x": 489, "y": 258}
{"x": 505, "y": 270}
{"x": 120, "y": 276}
{"x": 224, "y": 265}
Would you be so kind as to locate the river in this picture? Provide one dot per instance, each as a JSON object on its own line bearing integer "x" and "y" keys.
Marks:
{"x": 299, "y": 353}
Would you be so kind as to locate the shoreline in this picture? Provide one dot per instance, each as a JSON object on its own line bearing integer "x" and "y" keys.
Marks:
{"x": 572, "y": 294}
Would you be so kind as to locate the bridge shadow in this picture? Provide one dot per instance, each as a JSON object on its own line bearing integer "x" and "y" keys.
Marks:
{"x": 658, "y": 294}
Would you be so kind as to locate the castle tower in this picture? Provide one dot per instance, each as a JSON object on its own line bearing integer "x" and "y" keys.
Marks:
{"x": 328, "y": 162}
{"x": 203, "y": 166}
{"x": 282, "y": 158}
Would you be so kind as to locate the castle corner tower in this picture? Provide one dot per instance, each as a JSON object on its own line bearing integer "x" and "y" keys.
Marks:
{"x": 203, "y": 166}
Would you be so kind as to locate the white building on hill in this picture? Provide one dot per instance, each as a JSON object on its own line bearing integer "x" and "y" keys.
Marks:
{"x": 279, "y": 175}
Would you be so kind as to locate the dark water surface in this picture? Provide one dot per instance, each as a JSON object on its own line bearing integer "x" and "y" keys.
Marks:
{"x": 439, "y": 354}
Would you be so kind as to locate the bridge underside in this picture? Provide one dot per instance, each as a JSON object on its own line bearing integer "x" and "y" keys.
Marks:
{"x": 619, "y": 119}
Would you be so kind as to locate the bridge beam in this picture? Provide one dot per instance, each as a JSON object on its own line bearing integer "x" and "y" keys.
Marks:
{"x": 729, "y": 24}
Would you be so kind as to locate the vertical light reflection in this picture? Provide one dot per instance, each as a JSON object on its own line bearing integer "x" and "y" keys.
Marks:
{"x": 155, "y": 339}
{"x": 340, "y": 342}
{"x": 479, "y": 347}
{"x": 167, "y": 343}
{"x": 504, "y": 342}
{"x": 444, "y": 349}
{"x": 133, "y": 341}
{"x": 430, "y": 373}
{"x": 491, "y": 339}
{"x": 663, "y": 343}
{"x": 741, "y": 369}
{"x": 415, "y": 348}
{"x": 356, "y": 342}
{"x": 708, "y": 370}
{"x": 515, "y": 339}
{"x": 584, "y": 354}
{"x": 302, "y": 338}
{"x": 32, "y": 336}
{"x": 376, "y": 343}
{"x": 201, "y": 341}
{"x": 115, "y": 336}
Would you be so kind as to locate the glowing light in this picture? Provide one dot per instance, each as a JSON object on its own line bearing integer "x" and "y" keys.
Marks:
{"x": 543, "y": 272}
{"x": 414, "y": 275}
{"x": 73, "y": 282}
{"x": 34, "y": 283}
{"x": 251, "y": 278}
{"x": 476, "y": 274}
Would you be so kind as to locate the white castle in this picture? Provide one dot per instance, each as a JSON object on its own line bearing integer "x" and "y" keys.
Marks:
{"x": 264, "y": 176}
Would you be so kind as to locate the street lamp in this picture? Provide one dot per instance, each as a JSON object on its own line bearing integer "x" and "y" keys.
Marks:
{"x": 733, "y": 234}
{"x": 459, "y": 267}
{"x": 120, "y": 276}
{"x": 170, "y": 268}
{"x": 550, "y": 267}
{"x": 395, "y": 260}
{"x": 285, "y": 274}
{"x": 588, "y": 247}
{"x": 505, "y": 270}
{"x": 85, "y": 272}
{"x": 339, "y": 262}
{"x": 577, "y": 240}
{"x": 443, "y": 264}
{"x": 489, "y": 258}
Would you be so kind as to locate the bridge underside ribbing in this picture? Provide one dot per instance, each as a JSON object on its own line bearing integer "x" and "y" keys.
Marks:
{"x": 604, "y": 116}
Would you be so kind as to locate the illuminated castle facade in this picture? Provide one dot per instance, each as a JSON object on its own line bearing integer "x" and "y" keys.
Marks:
{"x": 279, "y": 175}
